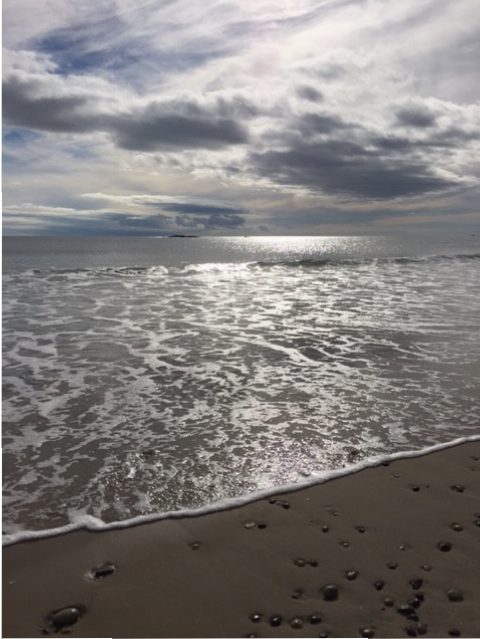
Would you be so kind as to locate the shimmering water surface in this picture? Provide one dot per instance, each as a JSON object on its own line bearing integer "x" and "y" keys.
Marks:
{"x": 151, "y": 375}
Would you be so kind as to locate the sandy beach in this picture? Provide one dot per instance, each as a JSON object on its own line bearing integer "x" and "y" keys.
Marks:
{"x": 390, "y": 551}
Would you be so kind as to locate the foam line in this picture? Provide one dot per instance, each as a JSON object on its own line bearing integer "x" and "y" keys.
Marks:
{"x": 88, "y": 522}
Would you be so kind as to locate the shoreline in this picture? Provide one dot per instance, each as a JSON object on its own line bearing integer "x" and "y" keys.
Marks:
{"x": 90, "y": 523}
{"x": 375, "y": 534}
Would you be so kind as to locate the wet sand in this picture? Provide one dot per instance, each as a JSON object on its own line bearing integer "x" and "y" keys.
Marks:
{"x": 399, "y": 545}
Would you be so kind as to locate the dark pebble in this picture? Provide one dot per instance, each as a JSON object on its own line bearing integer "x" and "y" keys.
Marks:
{"x": 65, "y": 617}
{"x": 477, "y": 522}
{"x": 420, "y": 596}
{"x": 296, "y": 623}
{"x": 415, "y": 488}
{"x": 261, "y": 525}
{"x": 458, "y": 488}
{"x": 275, "y": 620}
{"x": 455, "y": 595}
{"x": 405, "y": 610}
{"x": 285, "y": 505}
{"x": 256, "y": 617}
{"x": 411, "y": 631}
{"x": 444, "y": 546}
{"x": 412, "y": 616}
{"x": 367, "y": 632}
{"x": 385, "y": 463}
{"x": 325, "y": 528}
{"x": 104, "y": 570}
{"x": 426, "y": 567}
{"x": 361, "y": 529}
{"x": 379, "y": 584}
{"x": 330, "y": 592}
{"x": 392, "y": 565}
{"x": 396, "y": 475}
{"x": 345, "y": 544}
{"x": 454, "y": 632}
{"x": 414, "y": 602}
{"x": 299, "y": 562}
{"x": 252, "y": 634}
{"x": 323, "y": 634}
{"x": 422, "y": 628}
{"x": 416, "y": 583}
{"x": 388, "y": 601}
{"x": 296, "y": 594}
{"x": 351, "y": 574}
{"x": 315, "y": 619}
{"x": 195, "y": 545}
{"x": 456, "y": 527}
{"x": 313, "y": 563}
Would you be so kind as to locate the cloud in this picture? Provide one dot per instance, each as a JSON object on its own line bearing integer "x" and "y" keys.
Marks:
{"x": 415, "y": 117}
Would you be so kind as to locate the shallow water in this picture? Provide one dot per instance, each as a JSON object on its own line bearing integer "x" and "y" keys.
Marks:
{"x": 173, "y": 374}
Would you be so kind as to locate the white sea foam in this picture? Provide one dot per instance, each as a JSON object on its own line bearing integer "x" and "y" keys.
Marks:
{"x": 84, "y": 521}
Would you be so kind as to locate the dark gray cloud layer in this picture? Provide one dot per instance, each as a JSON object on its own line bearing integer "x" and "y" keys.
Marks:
{"x": 155, "y": 126}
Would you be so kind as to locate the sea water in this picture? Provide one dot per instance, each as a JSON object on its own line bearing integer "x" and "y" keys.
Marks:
{"x": 145, "y": 376}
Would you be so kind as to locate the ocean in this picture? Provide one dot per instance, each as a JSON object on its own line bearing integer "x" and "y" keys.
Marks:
{"x": 147, "y": 376}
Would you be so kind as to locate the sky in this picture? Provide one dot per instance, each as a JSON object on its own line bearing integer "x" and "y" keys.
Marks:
{"x": 153, "y": 117}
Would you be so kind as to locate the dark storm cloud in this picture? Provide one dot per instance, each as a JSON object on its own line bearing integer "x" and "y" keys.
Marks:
{"x": 155, "y": 126}
{"x": 417, "y": 117}
{"x": 195, "y": 208}
{"x": 347, "y": 169}
{"x": 211, "y": 222}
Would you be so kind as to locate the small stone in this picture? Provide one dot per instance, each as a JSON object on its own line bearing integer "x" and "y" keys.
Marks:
{"x": 458, "y": 488}
{"x": 296, "y": 594}
{"x": 325, "y": 528}
{"x": 396, "y": 475}
{"x": 315, "y": 619}
{"x": 385, "y": 463}
{"x": 404, "y": 547}
{"x": 389, "y": 602}
{"x": 252, "y": 634}
{"x": 351, "y": 574}
{"x": 414, "y": 602}
{"x": 255, "y": 617}
{"x": 261, "y": 525}
{"x": 416, "y": 583}
{"x": 405, "y": 610}
{"x": 104, "y": 570}
{"x": 285, "y": 505}
{"x": 420, "y": 596}
{"x": 456, "y": 527}
{"x": 454, "y": 594}
{"x": 415, "y": 488}
{"x": 249, "y": 525}
{"x": 379, "y": 584}
{"x": 313, "y": 563}
{"x": 422, "y": 628}
{"x": 367, "y": 632}
{"x": 299, "y": 562}
{"x": 411, "y": 631}
{"x": 65, "y": 617}
{"x": 345, "y": 544}
{"x": 426, "y": 567}
{"x": 477, "y": 522}
{"x": 360, "y": 529}
{"x": 412, "y": 616}
{"x": 444, "y": 546}
{"x": 296, "y": 623}
{"x": 324, "y": 634}
{"x": 275, "y": 620}
{"x": 392, "y": 565}
{"x": 454, "y": 632}
{"x": 330, "y": 592}
{"x": 195, "y": 545}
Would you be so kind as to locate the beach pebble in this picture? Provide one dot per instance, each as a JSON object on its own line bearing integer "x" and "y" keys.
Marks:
{"x": 351, "y": 574}
{"x": 458, "y": 488}
{"x": 454, "y": 594}
{"x": 296, "y": 594}
{"x": 414, "y": 602}
{"x": 444, "y": 546}
{"x": 313, "y": 563}
{"x": 249, "y": 524}
{"x": 405, "y": 610}
{"x": 296, "y": 623}
{"x": 261, "y": 525}
{"x": 299, "y": 562}
{"x": 415, "y": 488}
{"x": 345, "y": 544}
{"x": 360, "y": 529}
{"x": 255, "y": 617}
{"x": 416, "y": 583}
{"x": 426, "y": 567}
{"x": 195, "y": 545}
{"x": 392, "y": 565}
{"x": 388, "y": 601}
{"x": 252, "y": 634}
{"x": 104, "y": 570}
{"x": 330, "y": 592}
{"x": 379, "y": 584}
{"x": 420, "y": 596}
{"x": 454, "y": 632}
{"x": 315, "y": 619}
{"x": 404, "y": 546}
{"x": 324, "y": 634}
{"x": 65, "y": 617}
{"x": 456, "y": 527}
{"x": 325, "y": 528}
{"x": 367, "y": 632}
{"x": 422, "y": 628}
{"x": 275, "y": 620}
{"x": 411, "y": 631}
